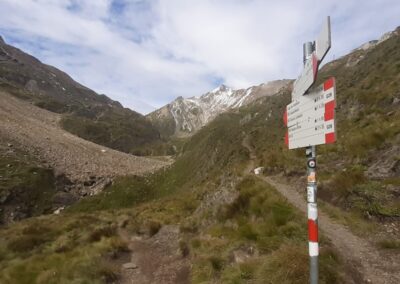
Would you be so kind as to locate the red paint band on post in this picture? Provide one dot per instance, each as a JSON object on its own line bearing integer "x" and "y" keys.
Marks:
{"x": 329, "y": 83}
{"x": 330, "y": 138}
{"x": 312, "y": 231}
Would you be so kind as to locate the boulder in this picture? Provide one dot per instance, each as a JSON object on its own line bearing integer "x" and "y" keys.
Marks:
{"x": 129, "y": 265}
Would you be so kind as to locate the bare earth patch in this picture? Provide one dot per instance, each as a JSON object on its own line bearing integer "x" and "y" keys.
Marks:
{"x": 38, "y": 132}
{"x": 156, "y": 260}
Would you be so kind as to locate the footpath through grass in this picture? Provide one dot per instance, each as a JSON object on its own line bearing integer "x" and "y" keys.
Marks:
{"x": 258, "y": 238}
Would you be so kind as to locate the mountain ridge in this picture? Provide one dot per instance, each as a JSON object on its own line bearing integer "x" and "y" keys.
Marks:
{"x": 94, "y": 117}
{"x": 184, "y": 116}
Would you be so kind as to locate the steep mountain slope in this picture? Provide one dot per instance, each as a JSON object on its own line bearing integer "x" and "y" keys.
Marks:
{"x": 361, "y": 171}
{"x": 183, "y": 116}
{"x": 91, "y": 116}
{"x": 44, "y": 167}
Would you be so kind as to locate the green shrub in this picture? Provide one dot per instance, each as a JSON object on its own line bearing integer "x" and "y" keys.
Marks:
{"x": 26, "y": 243}
{"x": 217, "y": 263}
{"x": 105, "y": 231}
{"x": 389, "y": 244}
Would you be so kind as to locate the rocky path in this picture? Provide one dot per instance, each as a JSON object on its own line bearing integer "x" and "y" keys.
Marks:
{"x": 359, "y": 254}
{"x": 38, "y": 132}
{"x": 157, "y": 259}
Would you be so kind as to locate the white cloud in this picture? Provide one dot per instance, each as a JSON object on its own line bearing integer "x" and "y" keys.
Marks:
{"x": 146, "y": 53}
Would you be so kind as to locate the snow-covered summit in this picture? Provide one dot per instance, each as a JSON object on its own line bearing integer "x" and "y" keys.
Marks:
{"x": 220, "y": 88}
{"x": 190, "y": 114}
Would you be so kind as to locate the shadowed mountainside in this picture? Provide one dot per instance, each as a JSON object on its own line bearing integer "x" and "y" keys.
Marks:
{"x": 87, "y": 114}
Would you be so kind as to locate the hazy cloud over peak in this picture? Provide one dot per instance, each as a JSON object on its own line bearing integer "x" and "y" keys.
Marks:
{"x": 146, "y": 53}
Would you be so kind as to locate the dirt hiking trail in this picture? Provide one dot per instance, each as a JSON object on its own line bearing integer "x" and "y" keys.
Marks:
{"x": 359, "y": 254}
{"x": 156, "y": 260}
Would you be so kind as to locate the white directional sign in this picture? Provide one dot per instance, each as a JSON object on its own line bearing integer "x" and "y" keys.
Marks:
{"x": 310, "y": 118}
{"x": 309, "y": 73}
{"x": 323, "y": 42}
{"x": 314, "y": 104}
{"x": 323, "y": 133}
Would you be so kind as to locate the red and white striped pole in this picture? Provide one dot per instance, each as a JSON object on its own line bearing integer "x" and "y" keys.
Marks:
{"x": 312, "y": 211}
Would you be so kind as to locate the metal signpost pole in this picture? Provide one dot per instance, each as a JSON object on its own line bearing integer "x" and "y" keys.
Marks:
{"x": 312, "y": 210}
{"x": 310, "y": 121}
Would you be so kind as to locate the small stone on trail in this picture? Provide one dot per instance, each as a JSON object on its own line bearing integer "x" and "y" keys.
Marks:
{"x": 9, "y": 145}
{"x": 129, "y": 265}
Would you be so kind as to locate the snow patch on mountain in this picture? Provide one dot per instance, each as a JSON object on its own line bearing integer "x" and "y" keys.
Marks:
{"x": 242, "y": 99}
{"x": 190, "y": 114}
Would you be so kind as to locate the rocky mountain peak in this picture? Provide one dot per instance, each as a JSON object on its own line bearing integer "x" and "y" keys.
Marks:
{"x": 185, "y": 116}
{"x": 2, "y": 40}
{"x": 221, "y": 88}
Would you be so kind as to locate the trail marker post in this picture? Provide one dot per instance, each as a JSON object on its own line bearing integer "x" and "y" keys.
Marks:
{"x": 310, "y": 119}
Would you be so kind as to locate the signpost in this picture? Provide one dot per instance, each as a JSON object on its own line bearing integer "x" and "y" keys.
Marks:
{"x": 310, "y": 119}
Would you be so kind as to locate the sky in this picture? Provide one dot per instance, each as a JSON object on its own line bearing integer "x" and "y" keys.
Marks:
{"x": 146, "y": 53}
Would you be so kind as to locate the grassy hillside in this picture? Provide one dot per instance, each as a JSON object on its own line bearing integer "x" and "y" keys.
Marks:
{"x": 220, "y": 214}
{"x": 361, "y": 172}
{"x": 119, "y": 129}
{"x": 233, "y": 227}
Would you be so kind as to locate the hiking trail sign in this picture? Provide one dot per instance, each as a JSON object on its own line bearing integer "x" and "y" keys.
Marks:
{"x": 310, "y": 119}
